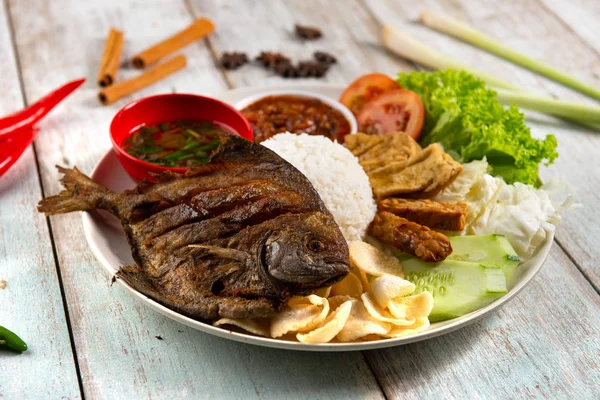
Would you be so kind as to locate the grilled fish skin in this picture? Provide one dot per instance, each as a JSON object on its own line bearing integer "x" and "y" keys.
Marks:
{"x": 234, "y": 238}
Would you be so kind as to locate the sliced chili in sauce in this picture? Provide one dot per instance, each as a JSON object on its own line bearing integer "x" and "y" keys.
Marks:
{"x": 275, "y": 114}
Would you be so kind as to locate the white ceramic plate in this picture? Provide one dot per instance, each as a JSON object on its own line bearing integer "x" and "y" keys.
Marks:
{"x": 108, "y": 243}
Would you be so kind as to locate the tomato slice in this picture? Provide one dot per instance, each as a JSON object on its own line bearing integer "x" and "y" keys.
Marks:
{"x": 394, "y": 111}
{"x": 365, "y": 89}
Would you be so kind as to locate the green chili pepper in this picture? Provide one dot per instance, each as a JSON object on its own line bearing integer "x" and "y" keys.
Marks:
{"x": 9, "y": 340}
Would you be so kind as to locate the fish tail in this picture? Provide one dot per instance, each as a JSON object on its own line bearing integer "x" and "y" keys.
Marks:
{"x": 80, "y": 194}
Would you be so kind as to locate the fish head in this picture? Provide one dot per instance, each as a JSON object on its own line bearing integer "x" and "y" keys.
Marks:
{"x": 306, "y": 253}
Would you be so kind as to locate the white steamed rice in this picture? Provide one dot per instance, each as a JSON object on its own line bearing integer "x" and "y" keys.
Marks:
{"x": 336, "y": 175}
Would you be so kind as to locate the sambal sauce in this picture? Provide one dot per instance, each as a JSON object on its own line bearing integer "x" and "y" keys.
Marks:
{"x": 276, "y": 114}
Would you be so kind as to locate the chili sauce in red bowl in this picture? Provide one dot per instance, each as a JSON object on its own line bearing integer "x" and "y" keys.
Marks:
{"x": 172, "y": 132}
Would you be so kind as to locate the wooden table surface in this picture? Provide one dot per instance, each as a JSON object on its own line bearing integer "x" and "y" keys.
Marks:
{"x": 88, "y": 339}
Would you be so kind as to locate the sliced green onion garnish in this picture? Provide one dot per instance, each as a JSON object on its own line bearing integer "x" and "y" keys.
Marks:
{"x": 191, "y": 145}
{"x": 203, "y": 159}
{"x": 135, "y": 137}
{"x": 150, "y": 149}
{"x": 210, "y": 146}
{"x": 174, "y": 144}
{"x": 186, "y": 157}
{"x": 174, "y": 156}
{"x": 193, "y": 133}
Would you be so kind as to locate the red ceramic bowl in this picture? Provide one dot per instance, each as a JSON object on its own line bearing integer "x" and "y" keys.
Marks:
{"x": 164, "y": 108}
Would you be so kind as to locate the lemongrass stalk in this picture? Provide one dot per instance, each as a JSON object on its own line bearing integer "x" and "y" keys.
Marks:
{"x": 566, "y": 109}
{"x": 581, "y": 114}
{"x": 411, "y": 49}
{"x": 453, "y": 27}
{"x": 532, "y": 102}
{"x": 592, "y": 125}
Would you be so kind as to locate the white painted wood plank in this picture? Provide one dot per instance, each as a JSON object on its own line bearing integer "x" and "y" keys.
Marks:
{"x": 348, "y": 34}
{"x": 581, "y": 163}
{"x": 118, "y": 352}
{"x": 31, "y": 304}
{"x": 580, "y": 16}
{"x": 534, "y": 30}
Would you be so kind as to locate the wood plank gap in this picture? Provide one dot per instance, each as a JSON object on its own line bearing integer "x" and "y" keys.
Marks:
{"x": 213, "y": 52}
{"x": 211, "y": 47}
{"x": 48, "y": 224}
{"x": 372, "y": 369}
{"x": 587, "y": 278}
{"x": 59, "y": 275}
{"x": 567, "y": 26}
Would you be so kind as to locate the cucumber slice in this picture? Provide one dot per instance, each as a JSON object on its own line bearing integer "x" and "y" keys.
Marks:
{"x": 458, "y": 287}
{"x": 486, "y": 249}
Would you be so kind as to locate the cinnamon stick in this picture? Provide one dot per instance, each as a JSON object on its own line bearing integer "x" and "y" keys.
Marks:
{"x": 154, "y": 74}
{"x": 110, "y": 58}
{"x": 198, "y": 29}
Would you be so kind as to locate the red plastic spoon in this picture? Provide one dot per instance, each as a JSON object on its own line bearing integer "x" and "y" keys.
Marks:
{"x": 17, "y": 130}
{"x": 36, "y": 111}
{"x": 12, "y": 148}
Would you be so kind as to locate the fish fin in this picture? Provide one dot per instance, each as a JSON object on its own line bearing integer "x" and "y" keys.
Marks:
{"x": 80, "y": 194}
{"x": 223, "y": 252}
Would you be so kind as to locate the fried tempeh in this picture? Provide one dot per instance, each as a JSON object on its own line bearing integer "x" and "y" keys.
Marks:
{"x": 422, "y": 176}
{"x": 398, "y": 167}
{"x": 375, "y": 151}
{"x": 410, "y": 237}
{"x": 447, "y": 216}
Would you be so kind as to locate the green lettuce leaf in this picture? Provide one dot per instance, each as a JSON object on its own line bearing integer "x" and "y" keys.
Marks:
{"x": 466, "y": 118}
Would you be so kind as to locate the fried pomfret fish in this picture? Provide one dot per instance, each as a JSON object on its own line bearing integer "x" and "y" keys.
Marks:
{"x": 234, "y": 238}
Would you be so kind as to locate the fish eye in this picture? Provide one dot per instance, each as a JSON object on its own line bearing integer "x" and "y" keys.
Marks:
{"x": 316, "y": 245}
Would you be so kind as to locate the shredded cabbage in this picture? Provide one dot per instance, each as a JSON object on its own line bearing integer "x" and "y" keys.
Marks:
{"x": 523, "y": 214}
